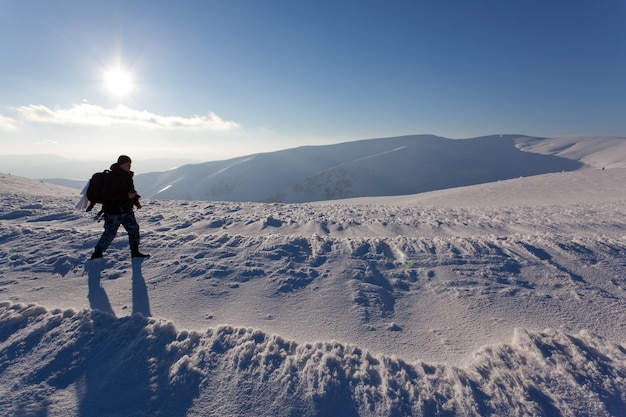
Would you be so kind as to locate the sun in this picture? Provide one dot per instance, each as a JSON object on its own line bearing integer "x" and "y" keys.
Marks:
{"x": 119, "y": 82}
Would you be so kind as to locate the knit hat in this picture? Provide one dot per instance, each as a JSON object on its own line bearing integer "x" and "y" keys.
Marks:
{"x": 123, "y": 159}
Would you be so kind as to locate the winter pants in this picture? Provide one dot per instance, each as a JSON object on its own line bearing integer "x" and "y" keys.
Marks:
{"x": 112, "y": 222}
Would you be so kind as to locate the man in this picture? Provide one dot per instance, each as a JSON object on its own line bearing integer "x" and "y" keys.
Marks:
{"x": 120, "y": 198}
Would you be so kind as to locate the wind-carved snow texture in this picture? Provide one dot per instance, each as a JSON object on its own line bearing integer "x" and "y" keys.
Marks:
{"x": 63, "y": 362}
{"x": 501, "y": 299}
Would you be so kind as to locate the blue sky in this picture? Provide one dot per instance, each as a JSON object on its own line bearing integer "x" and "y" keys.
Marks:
{"x": 216, "y": 79}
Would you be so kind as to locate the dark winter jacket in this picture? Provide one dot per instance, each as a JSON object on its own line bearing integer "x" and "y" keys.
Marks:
{"x": 117, "y": 185}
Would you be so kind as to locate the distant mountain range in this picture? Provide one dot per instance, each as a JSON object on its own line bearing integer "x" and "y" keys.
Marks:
{"x": 72, "y": 172}
{"x": 375, "y": 167}
{"x": 372, "y": 167}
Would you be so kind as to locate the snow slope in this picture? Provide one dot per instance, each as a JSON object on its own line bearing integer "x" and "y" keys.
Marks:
{"x": 374, "y": 167}
{"x": 598, "y": 152}
{"x": 506, "y": 298}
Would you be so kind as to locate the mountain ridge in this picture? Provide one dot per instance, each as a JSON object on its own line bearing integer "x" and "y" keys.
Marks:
{"x": 373, "y": 167}
{"x": 400, "y": 165}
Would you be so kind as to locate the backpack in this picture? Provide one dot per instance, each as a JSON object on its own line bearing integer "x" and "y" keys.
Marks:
{"x": 95, "y": 189}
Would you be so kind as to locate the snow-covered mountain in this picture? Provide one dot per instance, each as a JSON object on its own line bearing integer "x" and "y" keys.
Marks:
{"x": 374, "y": 167}
{"x": 503, "y": 298}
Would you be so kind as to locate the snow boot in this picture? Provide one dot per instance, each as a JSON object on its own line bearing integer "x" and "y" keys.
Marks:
{"x": 97, "y": 254}
{"x": 134, "y": 252}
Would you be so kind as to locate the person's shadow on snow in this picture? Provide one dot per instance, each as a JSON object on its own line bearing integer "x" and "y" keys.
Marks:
{"x": 98, "y": 299}
{"x": 141, "y": 303}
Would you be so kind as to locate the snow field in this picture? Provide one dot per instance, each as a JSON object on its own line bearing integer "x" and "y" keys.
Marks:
{"x": 512, "y": 303}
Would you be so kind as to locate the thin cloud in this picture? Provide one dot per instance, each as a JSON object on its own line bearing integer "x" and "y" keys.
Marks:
{"x": 7, "y": 123}
{"x": 89, "y": 114}
{"x": 47, "y": 142}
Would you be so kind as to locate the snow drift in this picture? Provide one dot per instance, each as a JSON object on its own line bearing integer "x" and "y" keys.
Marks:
{"x": 91, "y": 364}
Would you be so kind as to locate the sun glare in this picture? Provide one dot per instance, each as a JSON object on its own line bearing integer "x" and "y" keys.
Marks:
{"x": 119, "y": 82}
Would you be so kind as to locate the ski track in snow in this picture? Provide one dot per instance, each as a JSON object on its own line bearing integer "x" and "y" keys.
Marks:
{"x": 506, "y": 298}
